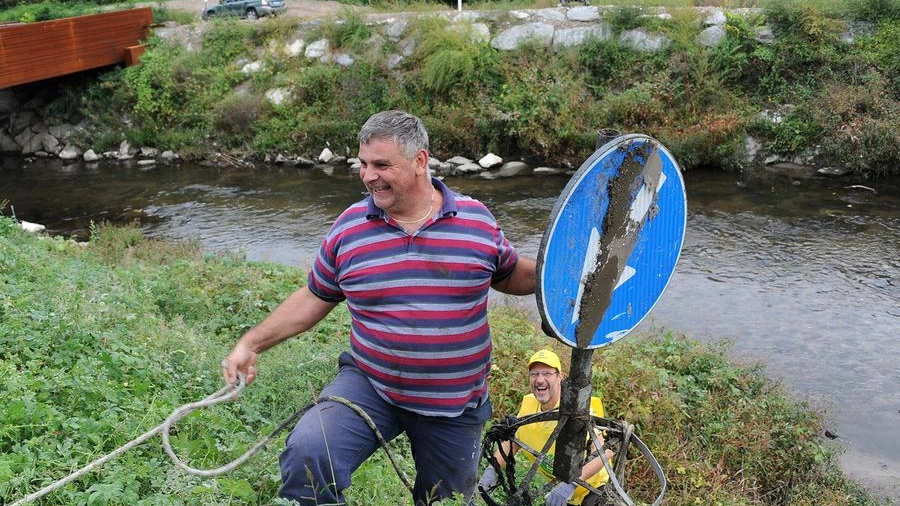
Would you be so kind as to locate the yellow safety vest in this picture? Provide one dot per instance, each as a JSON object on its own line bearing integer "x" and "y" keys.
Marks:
{"x": 535, "y": 435}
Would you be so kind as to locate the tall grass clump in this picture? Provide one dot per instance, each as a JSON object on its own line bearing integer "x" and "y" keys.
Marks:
{"x": 452, "y": 58}
{"x": 876, "y": 11}
{"x": 885, "y": 46}
{"x": 347, "y": 31}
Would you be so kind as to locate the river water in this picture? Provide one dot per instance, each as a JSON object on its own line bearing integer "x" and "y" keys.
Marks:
{"x": 800, "y": 274}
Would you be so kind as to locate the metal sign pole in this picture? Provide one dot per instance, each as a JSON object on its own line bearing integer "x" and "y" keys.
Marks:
{"x": 607, "y": 255}
{"x": 575, "y": 414}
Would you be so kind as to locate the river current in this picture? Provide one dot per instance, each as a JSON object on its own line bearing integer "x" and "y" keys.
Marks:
{"x": 801, "y": 274}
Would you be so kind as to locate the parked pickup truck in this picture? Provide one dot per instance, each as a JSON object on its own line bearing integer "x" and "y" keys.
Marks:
{"x": 251, "y": 9}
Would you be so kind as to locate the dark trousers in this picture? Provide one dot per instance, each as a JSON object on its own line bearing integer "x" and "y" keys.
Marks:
{"x": 331, "y": 441}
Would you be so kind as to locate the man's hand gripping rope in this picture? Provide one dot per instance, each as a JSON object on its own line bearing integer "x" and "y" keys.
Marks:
{"x": 229, "y": 392}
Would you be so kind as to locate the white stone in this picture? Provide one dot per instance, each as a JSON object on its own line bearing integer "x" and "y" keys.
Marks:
{"x": 716, "y": 17}
{"x": 510, "y": 38}
{"x": 576, "y": 35}
{"x": 458, "y": 160}
{"x": 833, "y": 171}
{"x": 317, "y": 49}
{"x": 343, "y": 59}
{"x": 512, "y": 169}
{"x": 50, "y": 143}
{"x": 294, "y": 48}
{"x": 326, "y": 155}
{"x": 642, "y": 40}
{"x": 32, "y": 227}
{"x": 751, "y": 147}
{"x": 490, "y": 160}
{"x": 61, "y": 132}
{"x": 251, "y": 68}
{"x": 583, "y": 13}
{"x": 547, "y": 171}
{"x": 33, "y": 144}
{"x": 467, "y": 16}
{"x": 551, "y": 15}
{"x": 711, "y": 36}
{"x": 468, "y": 168}
{"x": 477, "y": 32}
{"x": 70, "y": 152}
{"x": 764, "y": 35}
{"x": 277, "y": 95}
{"x": 395, "y": 30}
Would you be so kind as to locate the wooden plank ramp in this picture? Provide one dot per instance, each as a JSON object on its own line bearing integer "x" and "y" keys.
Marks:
{"x": 32, "y": 52}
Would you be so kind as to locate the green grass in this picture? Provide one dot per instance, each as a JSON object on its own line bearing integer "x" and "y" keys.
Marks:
{"x": 99, "y": 342}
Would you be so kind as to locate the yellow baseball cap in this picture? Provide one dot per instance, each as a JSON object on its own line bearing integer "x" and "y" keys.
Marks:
{"x": 546, "y": 357}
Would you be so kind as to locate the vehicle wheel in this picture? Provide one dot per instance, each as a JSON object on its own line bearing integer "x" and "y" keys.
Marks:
{"x": 251, "y": 14}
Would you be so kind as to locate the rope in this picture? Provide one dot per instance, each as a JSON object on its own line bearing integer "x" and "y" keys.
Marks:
{"x": 229, "y": 392}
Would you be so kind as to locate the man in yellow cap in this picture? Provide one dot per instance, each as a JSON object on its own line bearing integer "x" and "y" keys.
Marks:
{"x": 545, "y": 379}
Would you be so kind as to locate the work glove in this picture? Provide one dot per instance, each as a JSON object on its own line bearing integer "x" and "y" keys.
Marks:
{"x": 560, "y": 494}
{"x": 488, "y": 478}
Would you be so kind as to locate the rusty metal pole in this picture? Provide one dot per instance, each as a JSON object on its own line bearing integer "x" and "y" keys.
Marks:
{"x": 575, "y": 398}
{"x": 596, "y": 242}
{"x": 605, "y": 135}
{"x": 575, "y": 409}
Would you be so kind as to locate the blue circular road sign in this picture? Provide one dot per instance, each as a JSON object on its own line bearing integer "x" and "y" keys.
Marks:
{"x": 610, "y": 248}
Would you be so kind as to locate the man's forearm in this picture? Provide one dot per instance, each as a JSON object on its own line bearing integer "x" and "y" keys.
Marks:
{"x": 297, "y": 314}
{"x": 522, "y": 279}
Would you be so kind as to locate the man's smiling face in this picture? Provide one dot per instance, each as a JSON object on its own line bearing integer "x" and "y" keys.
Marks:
{"x": 545, "y": 384}
{"x": 390, "y": 176}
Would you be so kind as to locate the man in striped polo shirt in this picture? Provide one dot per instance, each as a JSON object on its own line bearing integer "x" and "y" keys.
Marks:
{"x": 415, "y": 262}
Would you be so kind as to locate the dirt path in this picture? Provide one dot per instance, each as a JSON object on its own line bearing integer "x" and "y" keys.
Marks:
{"x": 304, "y": 9}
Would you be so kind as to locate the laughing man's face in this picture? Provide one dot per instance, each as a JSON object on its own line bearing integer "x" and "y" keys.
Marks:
{"x": 545, "y": 384}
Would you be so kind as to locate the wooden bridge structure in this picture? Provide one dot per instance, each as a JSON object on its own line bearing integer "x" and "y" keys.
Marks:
{"x": 31, "y": 52}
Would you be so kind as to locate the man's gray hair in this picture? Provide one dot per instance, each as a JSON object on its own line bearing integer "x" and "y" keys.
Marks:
{"x": 401, "y": 127}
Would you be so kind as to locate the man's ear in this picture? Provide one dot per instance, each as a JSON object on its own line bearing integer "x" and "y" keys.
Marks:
{"x": 421, "y": 160}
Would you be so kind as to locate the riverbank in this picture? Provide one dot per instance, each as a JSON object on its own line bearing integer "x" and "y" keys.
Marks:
{"x": 723, "y": 432}
{"x": 716, "y": 86}
{"x": 738, "y": 280}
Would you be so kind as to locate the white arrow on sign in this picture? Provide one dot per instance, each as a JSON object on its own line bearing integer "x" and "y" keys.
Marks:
{"x": 639, "y": 209}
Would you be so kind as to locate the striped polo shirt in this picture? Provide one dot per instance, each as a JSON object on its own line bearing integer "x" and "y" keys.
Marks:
{"x": 418, "y": 303}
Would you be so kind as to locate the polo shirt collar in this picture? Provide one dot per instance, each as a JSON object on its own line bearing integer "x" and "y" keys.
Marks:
{"x": 447, "y": 208}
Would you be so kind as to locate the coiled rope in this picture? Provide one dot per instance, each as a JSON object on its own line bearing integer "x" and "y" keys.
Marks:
{"x": 226, "y": 393}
